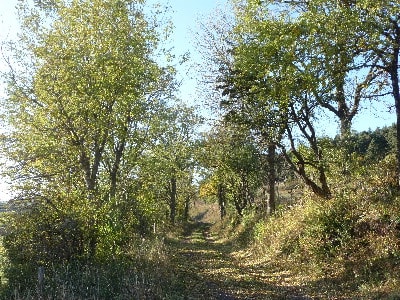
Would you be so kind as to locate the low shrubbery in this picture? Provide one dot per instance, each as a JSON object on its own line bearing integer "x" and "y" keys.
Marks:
{"x": 351, "y": 241}
{"x": 141, "y": 273}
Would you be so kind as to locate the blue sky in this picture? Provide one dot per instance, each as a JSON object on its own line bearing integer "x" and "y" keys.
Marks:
{"x": 185, "y": 16}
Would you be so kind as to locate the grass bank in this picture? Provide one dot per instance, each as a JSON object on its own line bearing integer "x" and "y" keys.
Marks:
{"x": 347, "y": 247}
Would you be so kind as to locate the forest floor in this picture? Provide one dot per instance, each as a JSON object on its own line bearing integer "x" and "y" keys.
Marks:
{"x": 207, "y": 267}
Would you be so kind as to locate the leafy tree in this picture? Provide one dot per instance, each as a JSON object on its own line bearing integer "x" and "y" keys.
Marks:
{"x": 343, "y": 77}
{"x": 234, "y": 163}
{"x": 169, "y": 164}
{"x": 382, "y": 42}
{"x": 373, "y": 145}
{"x": 390, "y": 134}
{"x": 81, "y": 121}
{"x": 283, "y": 69}
{"x": 268, "y": 99}
{"x": 377, "y": 148}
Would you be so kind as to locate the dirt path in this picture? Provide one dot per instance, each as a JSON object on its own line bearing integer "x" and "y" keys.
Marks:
{"x": 206, "y": 269}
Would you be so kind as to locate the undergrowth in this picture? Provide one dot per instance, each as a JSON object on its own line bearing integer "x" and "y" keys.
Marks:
{"x": 142, "y": 273}
{"x": 348, "y": 245}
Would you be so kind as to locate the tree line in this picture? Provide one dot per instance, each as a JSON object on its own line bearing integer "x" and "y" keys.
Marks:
{"x": 281, "y": 65}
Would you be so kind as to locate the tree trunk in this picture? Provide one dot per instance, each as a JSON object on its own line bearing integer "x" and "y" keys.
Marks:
{"x": 394, "y": 76}
{"x": 119, "y": 151}
{"x": 221, "y": 200}
{"x": 93, "y": 245}
{"x": 345, "y": 127}
{"x": 271, "y": 178}
{"x": 172, "y": 200}
{"x": 91, "y": 173}
{"x": 187, "y": 208}
{"x": 238, "y": 205}
{"x": 397, "y": 101}
{"x": 299, "y": 166}
{"x": 342, "y": 109}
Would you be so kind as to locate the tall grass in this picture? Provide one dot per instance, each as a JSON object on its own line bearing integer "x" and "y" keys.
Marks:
{"x": 142, "y": 273}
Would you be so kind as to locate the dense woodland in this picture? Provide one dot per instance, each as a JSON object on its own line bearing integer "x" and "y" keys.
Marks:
{"x": 113, "y": 175}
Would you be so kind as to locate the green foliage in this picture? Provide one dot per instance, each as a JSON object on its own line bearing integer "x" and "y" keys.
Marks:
{"x": 85, "y": 119}
{"x": 38, "y": 239}
{"x": 371, "y": 145}
{"x": 331, "y": 227}
{"x": 102, "y": 159}
{"x": 167, "y": 168}
{"x": 235, "y": 166}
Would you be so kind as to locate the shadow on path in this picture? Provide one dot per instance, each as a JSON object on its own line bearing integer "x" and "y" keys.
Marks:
{"x": 205, "y": 268}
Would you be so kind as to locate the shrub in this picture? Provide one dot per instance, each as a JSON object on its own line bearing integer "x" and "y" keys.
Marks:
{"x": 330, "y": 227}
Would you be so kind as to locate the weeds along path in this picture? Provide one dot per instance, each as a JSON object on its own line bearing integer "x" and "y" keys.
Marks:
{"x": 204, "y": 268}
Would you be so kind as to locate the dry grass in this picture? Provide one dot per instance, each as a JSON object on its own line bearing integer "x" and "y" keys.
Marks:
{"x": 346, "y": 248}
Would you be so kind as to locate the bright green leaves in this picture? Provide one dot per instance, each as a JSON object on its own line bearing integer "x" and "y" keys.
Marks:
{"x": 90, "y": 62}
{"x": 96, "y": 97}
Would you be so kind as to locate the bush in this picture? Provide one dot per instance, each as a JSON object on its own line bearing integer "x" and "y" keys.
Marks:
{"x": 330, "y": 227}
{"x": 42, "y": 237}
{"x": 124, "y": 267}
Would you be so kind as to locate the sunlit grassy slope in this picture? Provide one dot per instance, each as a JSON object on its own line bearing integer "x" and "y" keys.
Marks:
{"x": 347, "y": 247}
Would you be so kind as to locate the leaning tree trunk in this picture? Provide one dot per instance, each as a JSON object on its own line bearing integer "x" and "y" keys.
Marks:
{"x": 298, "y": 165}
